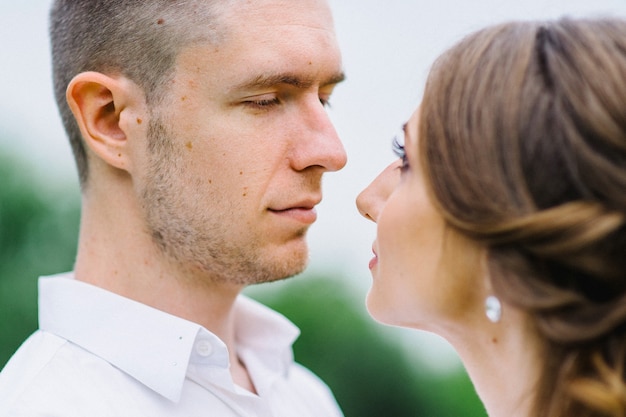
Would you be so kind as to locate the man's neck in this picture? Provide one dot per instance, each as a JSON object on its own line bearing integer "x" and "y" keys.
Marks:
{"x": 114, "y": 256}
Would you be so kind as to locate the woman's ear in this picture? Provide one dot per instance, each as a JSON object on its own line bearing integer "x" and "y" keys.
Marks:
{"x": 98, "y": 102}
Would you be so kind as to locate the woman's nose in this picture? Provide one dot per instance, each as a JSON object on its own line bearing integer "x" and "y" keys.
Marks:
{"x": 372, "y": 199}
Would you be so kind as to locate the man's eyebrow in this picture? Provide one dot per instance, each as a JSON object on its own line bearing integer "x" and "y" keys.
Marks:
{"x": 270, "y": 80}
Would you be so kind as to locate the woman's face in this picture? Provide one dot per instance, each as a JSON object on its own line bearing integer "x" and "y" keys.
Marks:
{"x": 423, "y": 272}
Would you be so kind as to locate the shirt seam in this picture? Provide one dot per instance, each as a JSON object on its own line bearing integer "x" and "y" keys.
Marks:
{"x": 19, "y": 396}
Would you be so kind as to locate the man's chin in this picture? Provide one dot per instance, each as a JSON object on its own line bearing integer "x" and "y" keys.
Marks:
{"x": 283, "y": 268}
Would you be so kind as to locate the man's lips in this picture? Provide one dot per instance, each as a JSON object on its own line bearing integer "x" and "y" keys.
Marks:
{"x": 303, "y": 212}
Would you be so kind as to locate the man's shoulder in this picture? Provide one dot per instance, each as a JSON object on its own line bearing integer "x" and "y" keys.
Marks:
{"x": 46, "y": 370}
{"x": 301, "y": 376}
{"x": 25, "y": 367}
{"x": 312, "y": 391}
{"x": 27, "y": 362}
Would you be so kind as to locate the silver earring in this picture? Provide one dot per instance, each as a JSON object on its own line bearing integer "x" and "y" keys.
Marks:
{"x": 493, "y": 308}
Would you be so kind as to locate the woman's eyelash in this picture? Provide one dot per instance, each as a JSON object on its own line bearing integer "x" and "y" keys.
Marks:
{"x": 398, "y": 149}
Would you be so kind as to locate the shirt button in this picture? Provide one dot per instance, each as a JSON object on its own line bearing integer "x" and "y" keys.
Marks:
{"x": 204, "y": 348}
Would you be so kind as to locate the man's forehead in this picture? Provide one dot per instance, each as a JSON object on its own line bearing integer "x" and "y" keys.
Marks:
{"x": 247, "y": 8}
{"x": 262, "y": 53}
{"x": 250, "y": 16}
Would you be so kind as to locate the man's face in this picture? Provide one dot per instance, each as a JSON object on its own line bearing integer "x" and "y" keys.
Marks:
{"x": 239, "y": 146}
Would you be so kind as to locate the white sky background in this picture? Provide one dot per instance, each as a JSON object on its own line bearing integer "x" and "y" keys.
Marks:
{"x": 388, "y": 46}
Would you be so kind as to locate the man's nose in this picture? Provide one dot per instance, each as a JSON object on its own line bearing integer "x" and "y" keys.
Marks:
{"x": 320, "y": 144}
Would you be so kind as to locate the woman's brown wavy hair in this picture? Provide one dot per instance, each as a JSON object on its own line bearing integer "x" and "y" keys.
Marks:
{"x": 523, "y": 144}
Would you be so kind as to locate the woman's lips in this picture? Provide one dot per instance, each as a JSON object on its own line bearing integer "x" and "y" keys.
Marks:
{"x": 374, "y": 260}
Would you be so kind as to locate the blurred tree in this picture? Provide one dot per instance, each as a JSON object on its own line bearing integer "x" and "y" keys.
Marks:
{"x": 38, "y": 235}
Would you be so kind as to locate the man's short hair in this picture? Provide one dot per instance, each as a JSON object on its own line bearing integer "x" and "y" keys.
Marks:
{"x": 139, "y": 39}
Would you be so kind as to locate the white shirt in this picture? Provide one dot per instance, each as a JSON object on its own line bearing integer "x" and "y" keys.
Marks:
{"x": 99, "y": 354}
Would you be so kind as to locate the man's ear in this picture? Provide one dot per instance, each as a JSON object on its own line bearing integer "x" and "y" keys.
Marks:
{"x": 99, "y": 102}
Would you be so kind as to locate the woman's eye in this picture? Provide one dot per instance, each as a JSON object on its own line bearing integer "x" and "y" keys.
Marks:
{"x": 398, "y": 149}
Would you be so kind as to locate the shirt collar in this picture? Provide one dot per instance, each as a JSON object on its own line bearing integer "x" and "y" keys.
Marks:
{"x": 150, "y": 345}
{"x": 266, "y": 334}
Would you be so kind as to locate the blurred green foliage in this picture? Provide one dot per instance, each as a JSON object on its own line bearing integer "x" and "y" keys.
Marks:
{"x": 38, "y": 236}
{"x": 368, "y": 371}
